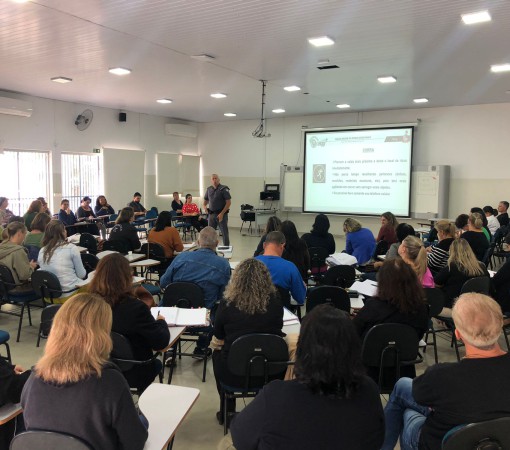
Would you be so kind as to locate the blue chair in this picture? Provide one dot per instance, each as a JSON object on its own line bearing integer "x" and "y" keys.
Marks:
{"x": 20, "y": 299}
{"x": 4, "y": 338}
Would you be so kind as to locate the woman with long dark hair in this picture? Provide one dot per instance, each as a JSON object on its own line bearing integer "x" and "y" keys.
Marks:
{"x": 124, "y": 230}
{"x": 387, "y": 232}
{"x": 273, "y": 224}
{"x": 166, "y": 235}
{"x": 319, "y": 235}
{"x": 102, "y": 207}
{"x": 330, "y": 404}
{"x": 295, "y": 250}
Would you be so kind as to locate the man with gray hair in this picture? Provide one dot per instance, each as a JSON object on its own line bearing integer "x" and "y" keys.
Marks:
{"x": 203, "y": 267}
{"x": 447, "y": 395}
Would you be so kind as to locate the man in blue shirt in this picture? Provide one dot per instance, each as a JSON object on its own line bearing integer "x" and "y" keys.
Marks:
{"x": 203, "y": 267}
{"x": 284, "y": 273}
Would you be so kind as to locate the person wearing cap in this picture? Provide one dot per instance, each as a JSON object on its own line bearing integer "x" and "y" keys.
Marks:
{"x": 217, "y": 200}
{"x": 136, "y": 205}
{"x": 85, "y": 211}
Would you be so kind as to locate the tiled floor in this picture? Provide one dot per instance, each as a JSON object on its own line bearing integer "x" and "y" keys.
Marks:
{"x": 200, "y": 430}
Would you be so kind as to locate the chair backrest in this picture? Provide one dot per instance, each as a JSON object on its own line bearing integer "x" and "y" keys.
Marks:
{"x": 488, "y": 435}
{"x": 153, "y": 251}
{"x": 7, "y": 282}
{"x": 117, "y": 245}
{"x": 88, "y": 241}
{"x": 89, "y": 261}
{"x": 333, "y": 295}
{"x": 342, "y": 276}
{"x": 284, "y": 296}
{"x": 481, "y": 285}
{"x": 436, "y": 299}
{"x": 122, "y": 352}
{"x": 47, "y": 440}
{"x": 46, "y": 284}
{"x": 381, "y": 248}
{"x": 318, "y": 257}
{"x": 258, "y": 355}
{"x": 183, "y": 294}
{"x": 47, "y": 316}
{"x": 499, "y": 237}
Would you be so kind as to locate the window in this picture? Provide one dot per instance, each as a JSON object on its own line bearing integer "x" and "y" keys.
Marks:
{"x": 82, "y": 175}
{"x": 25, "y": 176}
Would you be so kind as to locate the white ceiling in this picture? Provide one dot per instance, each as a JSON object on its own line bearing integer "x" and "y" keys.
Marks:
{"x": 421, "y": 42}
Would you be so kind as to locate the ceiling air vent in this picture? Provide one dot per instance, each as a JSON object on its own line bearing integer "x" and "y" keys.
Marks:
{"x": 328, "y": 67}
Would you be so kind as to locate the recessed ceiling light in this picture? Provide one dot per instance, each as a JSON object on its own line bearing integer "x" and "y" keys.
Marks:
{"x": 292, "y": 88}
{"x": 321, "y": 41}
{"x": 500, "y": 68}
{"x": 164, "y": 100}
{"x": 62, "y": 80}
{"x": 278, "y": 111}
{"x": 343, "y": 105}
{"x": 120, "y": 71}
{"x": 387, "y": 79}
{"x": 230, "y": 114}
{"x": 477, "y": 17}
{"x": 421, "y": 100}
{"x": 218, "y": 95}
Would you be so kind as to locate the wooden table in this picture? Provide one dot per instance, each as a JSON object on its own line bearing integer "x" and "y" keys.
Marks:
{"x": 9, "y": 412}
{"x": 165, "y": 407}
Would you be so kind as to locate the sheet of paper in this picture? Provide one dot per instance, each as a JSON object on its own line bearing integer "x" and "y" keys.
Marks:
{"x": 366, "y": 287}
{"x": 181, "y": 316}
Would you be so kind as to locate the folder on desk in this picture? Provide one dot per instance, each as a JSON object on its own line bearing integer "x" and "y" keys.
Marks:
{"x": 182, "y": 317}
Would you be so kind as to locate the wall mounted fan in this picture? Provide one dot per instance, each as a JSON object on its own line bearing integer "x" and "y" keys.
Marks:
{"x": 84, "y": 119}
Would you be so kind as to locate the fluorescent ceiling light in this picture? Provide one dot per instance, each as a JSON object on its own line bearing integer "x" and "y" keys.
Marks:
{"x": 387, "y": 79}
{"x": 321, "y": 41}
{"x": 500, "y": 68}
{"x": 62, "y": 80}
{"x": 164, "y": 100}
{"x": 230, "y": 114}
{"x": 477, "y": 17}
{"x": 343, "y": 106}
{"x": 278, "y": 110}
{"x": 292, "y": 88}
{"x": 120, "y": 71}
{"x": 218, "y": 95}
{"x": 421, "y": 100}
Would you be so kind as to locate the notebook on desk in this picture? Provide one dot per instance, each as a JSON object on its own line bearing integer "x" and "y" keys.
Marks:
{"x": 289, "y": 318}
{"x": 182, "y": 317}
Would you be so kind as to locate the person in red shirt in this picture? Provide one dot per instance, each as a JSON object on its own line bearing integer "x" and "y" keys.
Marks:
{"x": 388, "y": 228}
{"x": 192, "y": 213}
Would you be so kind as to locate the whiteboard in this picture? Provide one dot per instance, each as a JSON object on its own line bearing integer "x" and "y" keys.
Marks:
{"x": 430, "y": 191}
{"x": 292, "y": 187}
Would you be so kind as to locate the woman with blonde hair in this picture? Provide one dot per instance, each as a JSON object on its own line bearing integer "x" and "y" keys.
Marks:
{"x": 250, "y": 304}
{"x": 113, "y": 281}
{"x": 462, "y": 266}
{"x": 74, "y": 389}
{"x": 475, "y": 236}
{"x": 359, "y": 241}
{"x": 437, "y": 255}
{"x": 413, "y": 253}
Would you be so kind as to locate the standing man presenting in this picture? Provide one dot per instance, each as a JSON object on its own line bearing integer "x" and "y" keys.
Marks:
{"x": 217, "y": 200}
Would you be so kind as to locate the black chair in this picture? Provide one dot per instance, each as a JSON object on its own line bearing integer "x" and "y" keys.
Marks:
{"x": 88, "y": 241}
{"x": 333, "y": 295}
{"x": 388, "y": 347}
{"x": 46, "y": 286}
{"x": 89, "y": 261}
{"x": 258, "y": 358}
{"x": 47, "y": 316}
{"x": 117, "y": 245}
{"x": 480, "y": 285}
{"x": 381, "y": 248}
{"x": 19, "y": 299}
{"x": 247, "y": 215}
{"x": 157, "y": 252}
{"x": 487, "y": 435}
{"x": 435, "y": 300}
{"x": 186, "y": 295}
{"x": 499, "y": 239}
{"x": 47, "y": 440}
{"x": 487, "y": 257}
{"x": 342, "y": 276}
{"x": 122, "y": 355}
{"x": 318, "y": 257}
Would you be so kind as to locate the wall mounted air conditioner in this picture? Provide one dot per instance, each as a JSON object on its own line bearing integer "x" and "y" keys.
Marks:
{"x": 180, "y": 129}
{"x": 15, "y": 107}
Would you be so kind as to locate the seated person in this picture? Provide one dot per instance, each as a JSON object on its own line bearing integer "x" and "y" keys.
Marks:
{"x": 475, "y": 236}
{"x": 34, "y": 208}
{"x": 485, "y": 227}
{"x": 74, "y": 389}
{"x": 125, "y": 231}
{"x": 359, "y": 242}
{"x": 62, "y": 259}
{"x": 403, "y": 230}
{"x": 331, "y": 404}
{"x": 85, "y": 211}
{"x": 413, "y": 253}
{"x": 387, "y": 232}
{"x": 273, "y": 224}
{"x": 295, "y": 250}
{"x": 492, "y": 222}
{"x": 5, "y": 214}
{"x": 503, "y": 213}
{"x": 250, "y": 305}
{"x": 284, "y": 273}
{"x": 447, "y": 395}
{"x": 45, "y": 208}
{"x": 205, "y": 268}
{"x": 461, "y": 223}
{"x": 501, "y": 283}
{"x": 166, "y": 235}
{"x": 14, "y": 256}
{"x": 192, "y": 213}
{"x": 437, "y": 255}
{"x": 103, "y": 208}
{"x": 113, "y": 281}
{"x": 138, "y": 208}
{"x": 319, "y": 235}
{"x": 33, "y": 240}
{"x": 65, "y": 215}
{"x": 177, "y": 204}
